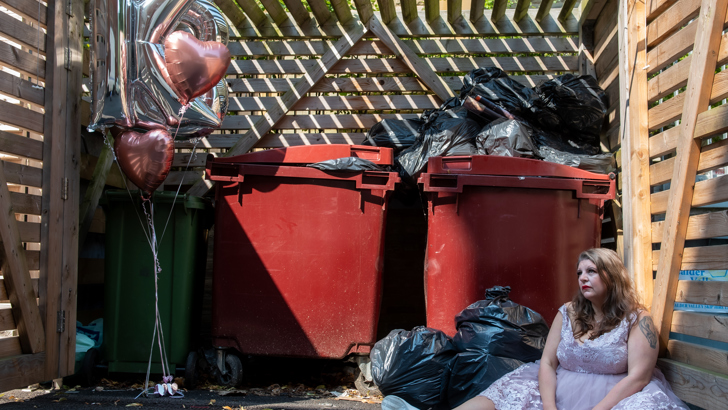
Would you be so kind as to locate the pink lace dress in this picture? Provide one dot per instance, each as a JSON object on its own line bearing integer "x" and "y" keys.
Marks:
{"x": 586, "y": 373}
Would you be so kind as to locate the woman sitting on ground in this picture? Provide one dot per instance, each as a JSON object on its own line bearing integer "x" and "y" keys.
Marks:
{"x": 600, "y": 353}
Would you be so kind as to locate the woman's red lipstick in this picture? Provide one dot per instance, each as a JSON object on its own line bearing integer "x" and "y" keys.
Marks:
{"x": 585, "y": 287}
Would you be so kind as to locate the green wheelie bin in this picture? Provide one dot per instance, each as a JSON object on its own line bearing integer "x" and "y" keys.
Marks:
{"x": 129, "y": 313}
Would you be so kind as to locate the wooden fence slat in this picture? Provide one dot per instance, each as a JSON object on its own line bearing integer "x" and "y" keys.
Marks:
{"x": 323, "y": 121}
{"x": 675, "y": 46}
{"x": 342, "y": 10}
{"x": 432, "y": 10}
{"x": 232, "y": 11}
{"x": 712, "y": 122}
{"x": 657, "y": 7}
{"x": 671, "y": 20}
{"x": 298, "y": 11}
{"x": 17, "y": 278}
{"x": 23, "y": 174}
{"x": 32, "y": 10}
{"x": 543, "y": 9}
{"x": 33, "y": 258}
{"x": 700, "y": 258}
{"x": 706, "y": 325}
{"x": 499, "y": 10}
{"x": 521, "y": 9}
{"x": 455, "y": 10}
{"x": 711, "y": 157}
{"x": 671, "y": 110}
{"x": 279, "y": 140}
{"x": 26, "y": 204}
{"x": 6, "y": 319}
{"x": 708, "y": 358}
{"x": 275, "y": 11}
{"x": 16, "y": 115}
{"x": 566, "y": 9}
{"x": 702, "y": 388}
{"x": 22, "y": 89}
{"x": 409, "y": 10}
{"x": 357, "y": 103}
{"x": 388, "y": 65}
{"x": 10, "y": 346}
{"x": 254, "y": 13}
{"x": 263, "y": 125}
{"x": 681, "y": 194}
{"x": 19, "y": 371}
{"x": 703, "y": 226}
{"x": 17, "y": 31}
{"x": 706, "y": 192}
{"x": 371, "y": 84}
{"x": 321, "y": 11}
{"x": 664, "y": 143}
{"x": 703, "y": 293}
{"x": 635, "y": 158}
{"x": 21, "y": 60}
{"x": 364, "y": 8}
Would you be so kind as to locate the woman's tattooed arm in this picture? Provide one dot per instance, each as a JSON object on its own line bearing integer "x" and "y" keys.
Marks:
{"x": 648, "y": 329}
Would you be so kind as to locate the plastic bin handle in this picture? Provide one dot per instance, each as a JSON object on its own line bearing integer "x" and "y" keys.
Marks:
{"x": 454, "y": 183}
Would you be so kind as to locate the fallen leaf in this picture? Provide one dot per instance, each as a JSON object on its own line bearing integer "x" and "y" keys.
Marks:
{"x": 134, "y": 405}
{"x": 59, "y": 400}
{"x": 212, "y": 402}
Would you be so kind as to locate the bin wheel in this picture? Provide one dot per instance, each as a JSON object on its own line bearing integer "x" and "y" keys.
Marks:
{"x": 233, "y": 371}
{"x": 89, "y": 375}
{"x": 191, "y": 370}
{"x": 366, "y": 388}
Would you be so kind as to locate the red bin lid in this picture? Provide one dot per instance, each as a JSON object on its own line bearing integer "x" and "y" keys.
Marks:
{"x": 311, "y": 154}
{"x": 506, "y": 166}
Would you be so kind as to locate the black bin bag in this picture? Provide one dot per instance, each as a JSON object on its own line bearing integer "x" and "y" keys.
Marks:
{"x": 494, "y": 336}
{"x": 446, "y": 132}
{"x": 392, "y": 133}
{"x": 413, "y": 365}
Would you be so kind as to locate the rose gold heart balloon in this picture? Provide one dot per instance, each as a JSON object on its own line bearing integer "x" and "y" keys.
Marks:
{"x": 193, "y": 66}
{"x": 145, "y": 158}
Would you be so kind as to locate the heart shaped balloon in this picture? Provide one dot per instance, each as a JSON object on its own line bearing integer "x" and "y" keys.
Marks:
{"x": 145, "y": 158}
{"x": 193, "y": 66}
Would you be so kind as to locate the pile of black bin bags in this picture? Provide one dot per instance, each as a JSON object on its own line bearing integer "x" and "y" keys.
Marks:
{"x": 430, "y": 370}
{"x": 558, "y": 121}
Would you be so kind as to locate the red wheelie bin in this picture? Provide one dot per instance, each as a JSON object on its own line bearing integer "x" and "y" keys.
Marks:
{"x": 298, "y": 252}
{"x": 507, "y": 221}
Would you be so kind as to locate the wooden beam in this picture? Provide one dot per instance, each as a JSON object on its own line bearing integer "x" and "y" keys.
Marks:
{"x": 671, "y": 20}
{"x": 289, "y": 99}
{"x": 566, "y": 9}
{"x": 342, "y": 10}
{"x": 275, "y": 11}
{"x": 700, "y": 258}
{"x": 703, "y": 226}
{"x": 703, "y": 293}
{"x": 635, "y": 149}
{"x": 656, "y": 7}
{"x": 22, "y": 89}
{"x": 21, "y": 32}
{"x": 364, "y": 8}
{"x": 321, "y": 11}
{"x": 544, "y": 9}
{"x": 708, "y": 358}
{"x": 696, "y": 386}
{"x": 499, "y": 10}
{"x": 95, "y": 189}
{"x": 254, "y": 13}
{"x": 21, "y": 371}
{"x": 17, "y": 276}
{"x": 455, "y": 10}
{"x": 409, "y": 10}
{"x": 28, "y": 9}
{"x": 477, "y": 10}
{"x": 298, "y": 11}
{"x": 21, "y": 117}
{"x": 61, "y": 185}
{"x": 521, "y": 10}
{"x": 410, "y": 58}
{"x": 702, "y": 69}
{"x": 432, "y": 10}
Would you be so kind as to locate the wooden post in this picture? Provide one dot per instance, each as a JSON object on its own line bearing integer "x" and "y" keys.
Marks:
{"x": 289, "y": 99}
{"x": 700, "y": 85}
{"x": 61, "y": 184}
{"x": 17, "y": 277}
{"x": 635, "y": 148}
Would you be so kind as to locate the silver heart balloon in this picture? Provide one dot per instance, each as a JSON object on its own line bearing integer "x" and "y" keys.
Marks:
{"x": 128, "y": 87}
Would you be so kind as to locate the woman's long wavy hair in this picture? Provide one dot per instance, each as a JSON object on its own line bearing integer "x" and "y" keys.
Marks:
{"x": 621, "y": 299}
